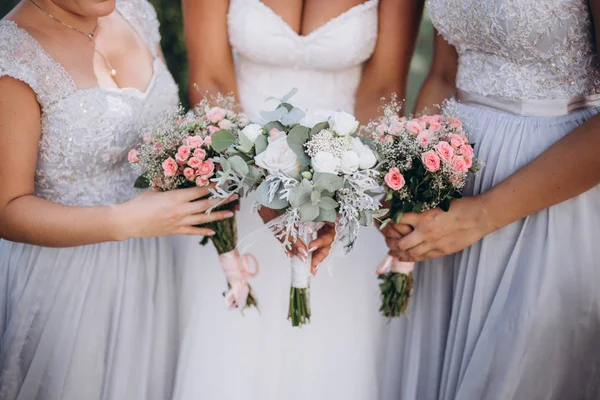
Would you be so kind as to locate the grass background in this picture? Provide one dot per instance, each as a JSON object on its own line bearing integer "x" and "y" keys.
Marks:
{"x": 169, "y": 14}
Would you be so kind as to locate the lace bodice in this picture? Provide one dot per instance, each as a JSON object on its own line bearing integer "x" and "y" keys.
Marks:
{"x": 325, "y": 65}
{"x": 521, "y": 49}
{"x": 87, "y": 133}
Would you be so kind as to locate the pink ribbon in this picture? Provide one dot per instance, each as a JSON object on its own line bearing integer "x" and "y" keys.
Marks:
{"x": 392, "y": 264}
{"x": 237, "y": 271}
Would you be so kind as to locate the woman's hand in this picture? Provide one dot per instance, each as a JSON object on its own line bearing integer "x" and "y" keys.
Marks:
{"x": 169, "y": 213}
{"x": 437, "y": 233}
{"x": 320, "y": 247}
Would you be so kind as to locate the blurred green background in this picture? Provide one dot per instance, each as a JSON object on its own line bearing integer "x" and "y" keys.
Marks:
{"x": 169, "y": 13}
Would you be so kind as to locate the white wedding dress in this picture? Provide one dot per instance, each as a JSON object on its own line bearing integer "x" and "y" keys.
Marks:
{"x": 229, "y": 356}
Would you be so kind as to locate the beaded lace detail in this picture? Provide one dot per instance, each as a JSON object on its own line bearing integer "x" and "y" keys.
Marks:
{"x": 521, "y": 49}
{"x": 87, "y": 133}
{"x": 325, "y": 65}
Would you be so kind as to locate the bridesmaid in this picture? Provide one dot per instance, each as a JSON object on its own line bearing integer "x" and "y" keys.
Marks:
{"x": 87, "y": 300}
{"x": 511, "y": 308}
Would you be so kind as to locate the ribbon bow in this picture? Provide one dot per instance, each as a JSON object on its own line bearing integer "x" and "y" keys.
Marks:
{"x": 392, "y": 264}
{"x": 237, "y": 271}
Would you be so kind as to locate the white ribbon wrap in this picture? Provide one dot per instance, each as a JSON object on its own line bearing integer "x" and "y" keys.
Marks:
{"x": 301, "y": 269}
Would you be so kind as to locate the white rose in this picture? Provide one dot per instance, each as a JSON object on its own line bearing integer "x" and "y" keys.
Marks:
{"x": 343, "y": 123}
{"x": 325, "y": 162}
{"x": 350, "y": 161}
{"x": 252, "y": 132}
{"x": 366, "y": 157}
{"x": 279, "y": 157}
{"x": 313, "y": 117}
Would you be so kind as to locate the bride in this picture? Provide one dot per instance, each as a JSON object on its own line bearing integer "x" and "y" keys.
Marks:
{"x": 87, "y": 305}
{"x": 340, "y": 55}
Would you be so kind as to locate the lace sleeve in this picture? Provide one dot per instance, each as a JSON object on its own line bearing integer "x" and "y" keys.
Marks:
{"x": 142, "y": 16}
{"x": 22, "y": 58}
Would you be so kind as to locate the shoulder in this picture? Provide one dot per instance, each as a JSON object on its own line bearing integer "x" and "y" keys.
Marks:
{"x": 142, "y": 16}
{"x": 22, "y": 58}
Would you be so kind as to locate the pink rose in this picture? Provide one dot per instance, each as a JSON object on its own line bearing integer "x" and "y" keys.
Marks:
{"x": 456, "y": 140}
{"x": 468, "y": 162}
{"x": 216, "y": 114}
{"x": 431, "y": 161}
{"x": 200, "y": 154}
{"x": 169, "y": 167}
{"x": 194, "y": 141}
{"x": 386, "y": 139}
{"x": 459, "y": 164}
{"x": 444, "y": 150}
{"x": 414, "y": 127}
{"x": 133, "y": 156}
{"x": 194, "y": 162}
{"x": 200, "y": 181}
{"x": 381, "y": 129}
{"x": 211, "y": 130}
{"x": 394, "y": 179}
{"x": 225, "y": 124}
{"x": 206, "y": 168}
{"x": 424, "y": 138}
{"x": 435, "y": 126}
{"x": 456, "y": 179}
{"x": 274, "y": 132}
{"x": 207, "y": 141}
{"x": 466, "y": 150}
{"x": 455, "y": 123}
{"x": 189, "y": 173}
{"x": 183, "y": 153}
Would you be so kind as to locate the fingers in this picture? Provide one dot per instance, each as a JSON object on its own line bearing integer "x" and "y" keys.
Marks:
{"x": 200, "y": 206}
{"x": 203, "y": 218}
{"x": 402, "y": 228}
{"x": 299, "y": 250}
{"x": 195, "y": 192}
{"x": 410, "y": 218}
{"x": 318, "y": 257}
{"x": 410, "y": 241}
{"x": 194, "y": 231}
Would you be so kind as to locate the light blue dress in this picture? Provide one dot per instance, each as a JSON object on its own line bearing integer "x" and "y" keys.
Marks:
{"x": 95, "y": 322}
{"x": 516, "y": 316}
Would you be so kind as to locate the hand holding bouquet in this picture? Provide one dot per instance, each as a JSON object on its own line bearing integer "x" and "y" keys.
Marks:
{"x": 425, "y": 164}
{"x": 192, "y": 150}
{"x": 317, "y": 173}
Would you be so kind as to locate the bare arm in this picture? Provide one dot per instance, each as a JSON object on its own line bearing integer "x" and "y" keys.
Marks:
{"x": 209, "y": 53}
{"x": 567, "y": 169}
{"x": 387, "y": 70}
{"x": 440, "y": 83}
{"x": 24, "y": 217}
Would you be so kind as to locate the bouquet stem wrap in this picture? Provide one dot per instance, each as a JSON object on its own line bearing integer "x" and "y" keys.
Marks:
{"x": 299, "y": 309}
{"x": 397, "y": 286}
{"x": 236, "y": 266}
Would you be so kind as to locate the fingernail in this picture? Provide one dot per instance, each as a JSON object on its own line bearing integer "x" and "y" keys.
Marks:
{"x": 303, "y": 252}
{"x": 313, "y": 249}
{"x": 212, "y": 233}
{"x": 229, "y": 214}
{"x": 317, "y": 268}
{"x": 303, "y": 259}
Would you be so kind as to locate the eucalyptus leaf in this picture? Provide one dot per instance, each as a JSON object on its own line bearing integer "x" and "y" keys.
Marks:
{"x": 245, "y": 144}
{"x": 289, "y": 95}
{"x": 222, "y": 139}
{"x": 274, "y": 115}
{"x": 238, "y": 165}
{"x": 300, "y": 194}
{"x": 380, "y": 213}
{"x": 261, "y": 144}
{"x": 293, "y": 116}
{"x": 445, "y": 205}
{"x": 309, "y": 212}
{"x": 274, "y": 125}
{"x": 327, "y": 181}
{"x": 319, "y": 127}
{"x": 315, "y": 196}
{"x": 327, "y": 215}
{"x": 262, "y": 197}
{"x": 327, "y": 203}
{"x": 225, "y": 166}
{"x": 398, "y": 217}
{"x": 384, "y": 224}
{"x": 141, "y": 182}
{"x": 296, "y": 139}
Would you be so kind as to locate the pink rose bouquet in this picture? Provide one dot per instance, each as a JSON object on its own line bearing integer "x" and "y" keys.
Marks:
{"x": 424, "y": 164}
{"x": 186, "y": 150}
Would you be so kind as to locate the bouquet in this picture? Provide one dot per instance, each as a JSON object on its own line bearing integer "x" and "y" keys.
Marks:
{"x": 186, "y": 150}
{"x": 316, "y": 172}
{"x": 425, "y": 163}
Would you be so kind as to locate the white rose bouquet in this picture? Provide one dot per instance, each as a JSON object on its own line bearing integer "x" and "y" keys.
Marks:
{"x": 316, "y": 173}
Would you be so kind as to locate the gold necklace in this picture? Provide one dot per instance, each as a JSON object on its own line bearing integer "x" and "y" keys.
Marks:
{"x": 91, "y": 36}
